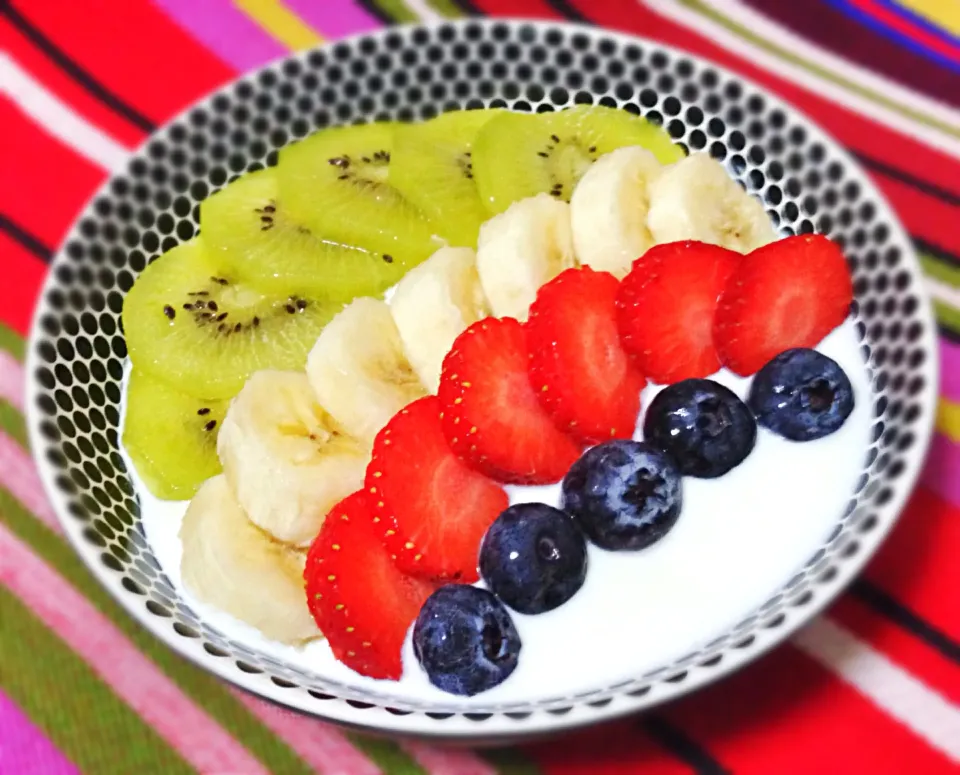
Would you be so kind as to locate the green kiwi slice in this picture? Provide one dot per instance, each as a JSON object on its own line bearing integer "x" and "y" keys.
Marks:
{"x": 336, "y": 183}
{"x": 191, "y": 323}
{"x": 171, "y": 437}
{"x": 247, "y": 227}
{"x": 519, "y": 155}
{"x": 432, "y": 166}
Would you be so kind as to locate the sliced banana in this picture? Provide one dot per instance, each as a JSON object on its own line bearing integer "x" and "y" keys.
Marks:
{"x": 696, "y": 199}
{"x": 359, "y": 371}
{"x": 608, "y": 210}
{"x": 230, "y": 563}
{"x": 433, "y": 304}
{"x": 521, "y": 249}
{"x": 286, "y": 460}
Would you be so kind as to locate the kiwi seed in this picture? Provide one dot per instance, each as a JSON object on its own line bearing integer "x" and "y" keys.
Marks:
{"x": 210, "y": 425}
{"x": 169, "y": 311}
{"x": 203, "y": 411}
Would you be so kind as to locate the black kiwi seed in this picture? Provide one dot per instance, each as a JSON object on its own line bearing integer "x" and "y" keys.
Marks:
{"x": 555, "y": 138}
{"x": 237, "y": 327}
{"x": 290, "y": 308}
{"x": 210, "y": 425}
{"x": 188, "y": 307}
{"x": 544, "y": 154}
{"x": 203, "y": 411}
{"x": 592, "y": 149}
{"x": 388, "y": 258}
{"x": 170, "y": 312}
{"x": 212, "y": 306}
{"x": 301, "y": 304}
{"x": 221, "y": 317}
{"x": 256, "y": 322}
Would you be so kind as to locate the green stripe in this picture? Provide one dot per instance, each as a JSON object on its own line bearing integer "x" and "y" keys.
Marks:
{"x": 11, "y": 341}
{"x": 948, "y": 317}
{"x": 698, "y": 7}
{"x": 940, "y": 270}
{"x": 509, "y": 761}
{"x": 386, "y": 755}
{"x": 446, "y": 8}
{"x": 398, "y": 11}
{"x": 11, "y": 423}
{"x": 91, "y": 725}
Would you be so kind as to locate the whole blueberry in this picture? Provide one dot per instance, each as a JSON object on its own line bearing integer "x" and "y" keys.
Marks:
{"x": 534, "y": 558}
{"x": 801, "y": 395}
{"x": 465, "y": 640}
{"x": 624, "y": 494}
{"x": 704, "y": 427}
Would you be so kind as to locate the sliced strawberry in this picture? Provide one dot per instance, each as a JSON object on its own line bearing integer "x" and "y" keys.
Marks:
{"x": 431, "y": 509}
{"x": 491, "y": 416}
{"x": 790, "y": 293}
{"x": 361, "y": 602}
{"x": 578, "y": 368}
{"x": 665, "y": 309}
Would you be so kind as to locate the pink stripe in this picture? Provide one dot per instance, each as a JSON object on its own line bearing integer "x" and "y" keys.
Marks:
{"x": 18, "y": 476}
{"x": 225, "y": 30}
{"x": 23, "y": 746}
{"x": 11, "y": 380}
{"x": 334, "y": 18}
{"x": 447, "y": 761}
{"x": 134, "y": 678}
{"x": 942, "y": 471}
{"x": 949, "y": 369}
{"x": 320, "y": 745}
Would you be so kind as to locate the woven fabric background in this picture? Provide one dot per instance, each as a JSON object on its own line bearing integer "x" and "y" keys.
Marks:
{"x": 871, "y": 687}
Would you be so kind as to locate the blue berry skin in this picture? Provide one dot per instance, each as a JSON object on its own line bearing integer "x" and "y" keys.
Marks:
{"x": 702, "y": 425}
{"x": 625, "y": 494}
{"x": 465, "y": 640}
{"x": 801, "y": 395}
{"x": 534, "y": 558}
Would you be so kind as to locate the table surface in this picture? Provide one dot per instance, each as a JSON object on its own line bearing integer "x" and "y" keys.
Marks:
{"x": 872, "y": 686}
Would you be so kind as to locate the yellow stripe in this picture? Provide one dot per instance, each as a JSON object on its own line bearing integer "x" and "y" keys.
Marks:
{"x": 948, "y": 419}
{"x": 280, "y": 22}
{"x": 945, "y": 15}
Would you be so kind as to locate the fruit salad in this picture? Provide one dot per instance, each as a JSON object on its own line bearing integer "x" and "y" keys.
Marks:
{"x": 421, "y": 382}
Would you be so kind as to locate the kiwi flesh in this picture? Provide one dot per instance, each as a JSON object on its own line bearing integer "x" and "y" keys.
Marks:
{"x": 519, "y": 155}
{"x": 336, "y": 183}
{"x": 171, "y": 437}
{"x": 246, "y": 226}
{"x": 193, "y": 324}
{"x": 432, "y": 166}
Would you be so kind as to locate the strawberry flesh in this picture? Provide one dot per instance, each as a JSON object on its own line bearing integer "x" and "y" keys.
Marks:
{"x": 578, "y": 367}
{"x": 491, "y": 416}
{"x": 430, "y": 509}
{"x": 666, "y": 305}
{"x": 361, "y": 602}
{"x": 790, "y": 293}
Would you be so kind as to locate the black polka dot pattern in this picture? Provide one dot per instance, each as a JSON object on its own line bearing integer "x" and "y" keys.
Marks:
{"x": 804, "y": 181}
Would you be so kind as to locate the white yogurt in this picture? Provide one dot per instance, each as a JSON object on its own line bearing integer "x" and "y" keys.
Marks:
{"x": 738, "y": 539}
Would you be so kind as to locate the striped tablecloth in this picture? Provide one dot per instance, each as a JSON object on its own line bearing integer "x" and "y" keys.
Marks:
{"x": 872, "y": 687}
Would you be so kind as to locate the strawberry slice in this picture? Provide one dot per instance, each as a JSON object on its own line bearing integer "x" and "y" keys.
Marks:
{"x": 491, "y": 415}
{"x": 790, "y": 293}
{"x": 665, "y": 309}
{"x": 360, "y": 601}
{"x": 431, "y": 509}
{"x": 578, "y": 368}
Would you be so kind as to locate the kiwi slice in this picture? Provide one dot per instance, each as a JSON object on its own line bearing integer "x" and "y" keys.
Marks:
{"x": 171, "y": 437}
{"x": 193, "y": 324}
{"x": 247, "y": 227}
{"x": 336, "y": 183}
{"x": 432, "y": 166}
{"x": 518, "y": 155}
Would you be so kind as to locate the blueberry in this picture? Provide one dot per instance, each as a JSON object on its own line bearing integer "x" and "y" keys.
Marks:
{"x": 465, "y": 640}
{"x": 801, "y": 395}
{"x": 704, "y": 427}
{"x": 534, "y": 558}
{"x": 624, "y": 494}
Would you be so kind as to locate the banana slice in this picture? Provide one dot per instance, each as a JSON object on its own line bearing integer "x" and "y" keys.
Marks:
{"x": 696, "y": 199}
{"x": 608, "y": 209}
{"x": 359, "y": 371}
{"x": 230, "y": 563}
{"x": 433, "y": 304}
{"x": 284, "y": 457}
{"x": 520, "y": 250}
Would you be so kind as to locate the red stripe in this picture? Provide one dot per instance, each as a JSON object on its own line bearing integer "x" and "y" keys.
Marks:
{"x": 134, "y": 49}
{"x": 55, "y": 80}
{"x": 518, "y": 9}
{"x": 23, "y": 275}
{"x": 909, "y": 29}
{"x": 898, "y": 645}
{"x": 927, "y": 217}
{"x": 46, "y": 183}
{"x": 918, "y": 565}
{"x": 786, "y": 714}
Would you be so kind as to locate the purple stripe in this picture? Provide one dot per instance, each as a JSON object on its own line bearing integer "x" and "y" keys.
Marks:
{"x": 225, "y": 30}
{"x": 942, "y": 471}
{"x": 24, "y": 748}
{"x": 334, "y": 18}
{"x": 949, "y": 369}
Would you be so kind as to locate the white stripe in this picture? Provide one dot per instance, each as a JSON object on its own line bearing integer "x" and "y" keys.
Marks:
{"x": 914, "y": 704}
{"x": 424, "y": 11}
{"x": 944, "y": 292}
{"x": 799, "y": 75}
{"x": 57, "y": 118}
